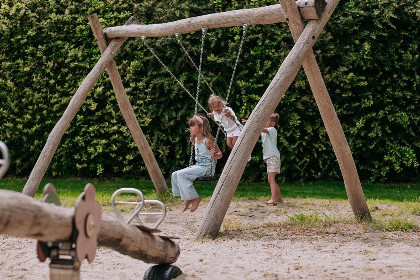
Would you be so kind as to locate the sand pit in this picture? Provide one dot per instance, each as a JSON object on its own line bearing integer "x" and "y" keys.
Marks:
{"x": 252, "y": 245}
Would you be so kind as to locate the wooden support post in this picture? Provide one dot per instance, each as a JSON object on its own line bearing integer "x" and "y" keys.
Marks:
{"x": 127, "y": 110}
{"x": 330, "y": 119}
{"x": 309, "y": 9}
{"x": 26, "y": 217}
{"x": 61, "y": 126}
{"x": 235, "y": 165}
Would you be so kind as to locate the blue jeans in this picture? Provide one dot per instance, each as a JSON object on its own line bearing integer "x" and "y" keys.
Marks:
{"x": 182, "y": 181}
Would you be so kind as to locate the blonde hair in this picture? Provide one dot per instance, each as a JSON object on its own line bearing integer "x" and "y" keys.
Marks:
{"x": 204, "y": 124}
{"x": 274, "y": 118}
{"x": 215, "y": 98}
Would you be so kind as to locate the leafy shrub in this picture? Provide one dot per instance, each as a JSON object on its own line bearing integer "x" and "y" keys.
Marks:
{"x": 368, "y": 55}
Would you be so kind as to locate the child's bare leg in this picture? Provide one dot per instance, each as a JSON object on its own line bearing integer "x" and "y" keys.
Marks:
{"x": 194, "y": 203}
{"x": 275, "y": 189}
{"x": 231, "y": 141}
{"x": 186, "y": 205}
{"x": 234, "y": 140}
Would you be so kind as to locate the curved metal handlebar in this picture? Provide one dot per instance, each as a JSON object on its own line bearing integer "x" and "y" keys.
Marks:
{"x": 139, "y": 206}
{"x": 4, "y": 159}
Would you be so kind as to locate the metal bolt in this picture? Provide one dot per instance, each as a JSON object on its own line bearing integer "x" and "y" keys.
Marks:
{"x": 90, "y": 225}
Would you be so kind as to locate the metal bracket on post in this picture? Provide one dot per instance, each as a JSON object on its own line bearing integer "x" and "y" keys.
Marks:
{"x": 67, "y": 255}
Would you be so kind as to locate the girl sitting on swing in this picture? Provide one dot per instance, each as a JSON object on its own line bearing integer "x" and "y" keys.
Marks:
{"x": 205, "y": 149}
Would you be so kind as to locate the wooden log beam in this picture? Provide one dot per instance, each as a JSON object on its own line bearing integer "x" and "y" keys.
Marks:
{"x": 310, "y": 9}
{"x": 127, "y": 110}
{"x": 329, "y": 117}
{"x": 235, "y": 165}
{"x": 61, "y": 126}
{"x": 26, "y": 217}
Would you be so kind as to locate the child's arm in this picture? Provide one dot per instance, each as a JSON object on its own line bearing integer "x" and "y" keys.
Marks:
{"x": 214, "y": 153}
{"x": 230, "y": 115}
{"x": 210, "y": 115}
{"x": 265, "y": 130}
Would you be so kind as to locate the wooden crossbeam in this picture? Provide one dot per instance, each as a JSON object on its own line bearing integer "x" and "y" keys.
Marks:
{"x": 309, "y": 9}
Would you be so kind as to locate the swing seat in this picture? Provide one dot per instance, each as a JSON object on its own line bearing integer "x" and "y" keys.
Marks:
{"x": 209, "y": 177}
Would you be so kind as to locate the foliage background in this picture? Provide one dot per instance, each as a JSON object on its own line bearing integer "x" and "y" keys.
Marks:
{"x": 368, "y": 54}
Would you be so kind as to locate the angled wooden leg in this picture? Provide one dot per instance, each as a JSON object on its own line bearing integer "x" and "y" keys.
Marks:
{"x": 61, "y": 126}
{"x": 329, "y": 117}
{"x": 235, "y": 165}
{"x": 128, "y": 112}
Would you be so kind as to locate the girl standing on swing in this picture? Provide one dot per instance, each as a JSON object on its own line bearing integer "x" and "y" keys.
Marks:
{"x": 226, "y": 117}
{"x": 182, "y": 180}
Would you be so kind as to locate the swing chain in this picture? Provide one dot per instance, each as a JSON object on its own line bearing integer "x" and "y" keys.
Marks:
{"x": 203, "y": 37}
{"x": 204, "y": 32}
{"x": 178, "y": 38}
{"x": 245, "y": 29}
{"x": 144, "y": 38}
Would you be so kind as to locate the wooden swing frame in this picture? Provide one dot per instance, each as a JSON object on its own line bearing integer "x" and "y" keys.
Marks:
{"x": 316, "y": 12}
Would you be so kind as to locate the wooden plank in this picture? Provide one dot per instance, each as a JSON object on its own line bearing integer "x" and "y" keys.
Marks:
{"x": 330, "y": 119}
{"x": 127, "y": 110}
{"x": 23, "y": 216}
{"x": 61, "y": 126}
{"x": 235, "y": 165}
{"x": 310, "y": 9}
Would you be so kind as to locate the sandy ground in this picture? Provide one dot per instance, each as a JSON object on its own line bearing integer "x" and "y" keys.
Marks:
{"x": 252, "y": 245}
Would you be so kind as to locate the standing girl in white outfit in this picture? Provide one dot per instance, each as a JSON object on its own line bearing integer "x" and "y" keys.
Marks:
{"x": 182, "y": 180}
{"x": 226, "y": 117}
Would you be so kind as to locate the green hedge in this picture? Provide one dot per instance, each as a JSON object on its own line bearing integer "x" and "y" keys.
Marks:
{"x": 368, "y": 55}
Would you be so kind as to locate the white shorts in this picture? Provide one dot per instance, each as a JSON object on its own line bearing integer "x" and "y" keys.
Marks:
{"x": 234, "y": 133}
{"x": 273, "y": 164}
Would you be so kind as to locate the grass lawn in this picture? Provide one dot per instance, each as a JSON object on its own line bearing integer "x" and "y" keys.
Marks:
{"x": 393, "y": 207}
{"x": 325, "y": 190}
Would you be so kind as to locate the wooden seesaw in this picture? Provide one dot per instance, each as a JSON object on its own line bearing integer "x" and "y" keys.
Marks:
{"x": 69, "y": 235}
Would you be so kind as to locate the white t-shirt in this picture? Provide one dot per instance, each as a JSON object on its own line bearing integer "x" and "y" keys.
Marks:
{"x": 228, "y": 124}
{"x": 269, "y": 143}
